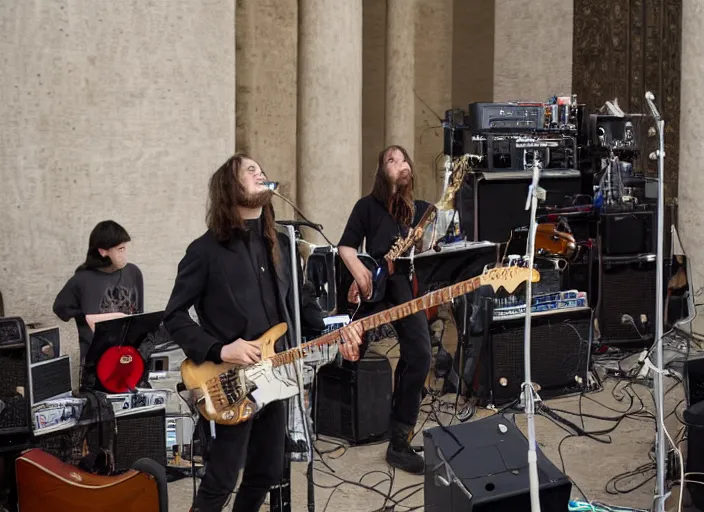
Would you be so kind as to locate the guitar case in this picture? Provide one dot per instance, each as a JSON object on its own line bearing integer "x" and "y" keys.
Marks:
{"x": 46, "y": 483}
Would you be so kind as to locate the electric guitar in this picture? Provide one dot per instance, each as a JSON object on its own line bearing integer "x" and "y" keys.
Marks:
{"x": 229, "y": 394}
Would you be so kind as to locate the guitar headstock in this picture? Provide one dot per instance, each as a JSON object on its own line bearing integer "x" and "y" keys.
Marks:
{"x": 508, "y": 277}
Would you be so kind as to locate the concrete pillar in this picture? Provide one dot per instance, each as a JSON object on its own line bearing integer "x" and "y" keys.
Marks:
{"x": 433, "y": 79}
{"x": 400, "y": 73}
{"x": 329, "y": 111}
{"x": 266, "y": 39}
{"x": 373, "y": 88}
{"x": 691, "y": 178}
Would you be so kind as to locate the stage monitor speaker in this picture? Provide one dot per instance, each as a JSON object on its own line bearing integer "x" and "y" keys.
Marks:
{"x": 560, "y": 347}
{"x": 626, "y": 304}
{"x": 694, "y": 379}
{"x": 492, "y": 204}
{"x": 694, "y": 419}
{"x": 482, "y": 466}
{"x": 15, "y": 408}
{"x": 353, "y": 400}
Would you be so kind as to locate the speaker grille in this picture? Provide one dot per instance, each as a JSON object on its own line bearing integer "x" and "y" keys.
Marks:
{"x": 627, "y": 288}
{"x": 67, "y": 444}
{"x": 50, "y": 379}
{"x": 694, "y": 369}
{"x": 354, "y": 401}
{"x": 559, "y": 350}
{"x": 374, "y": 398}
{"x": 334, "y": 403}
{"x": 14, "y": 415}
{"x": 140, "y": 434}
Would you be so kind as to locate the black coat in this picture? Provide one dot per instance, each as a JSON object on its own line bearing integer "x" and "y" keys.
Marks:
{"x": 217, "y": 278}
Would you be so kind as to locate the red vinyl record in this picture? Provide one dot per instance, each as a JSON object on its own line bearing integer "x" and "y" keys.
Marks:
{"x": 120, "y": 369}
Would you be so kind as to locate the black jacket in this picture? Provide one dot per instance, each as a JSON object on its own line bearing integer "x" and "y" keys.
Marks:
{"x": 215, "y": 278}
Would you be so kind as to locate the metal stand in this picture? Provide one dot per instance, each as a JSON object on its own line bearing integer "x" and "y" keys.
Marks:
{"x": 298, "y": 366}
{"x": 488, "y": 342}
{"x": 660, "y": 491}
{"x": 280, "y": 495}
{"x": 534, "y": 194}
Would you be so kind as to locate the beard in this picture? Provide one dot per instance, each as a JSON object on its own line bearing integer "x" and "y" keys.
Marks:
{"x": 401, "y": 205}
{"x": 257, "y": 200}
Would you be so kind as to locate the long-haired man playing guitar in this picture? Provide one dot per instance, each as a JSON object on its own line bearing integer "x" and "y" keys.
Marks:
{"x": 239, "y": 280}
{"x": 388, "y": 212}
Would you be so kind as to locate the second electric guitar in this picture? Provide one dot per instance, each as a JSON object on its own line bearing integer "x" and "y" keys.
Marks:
{"x": 230, "y": 394}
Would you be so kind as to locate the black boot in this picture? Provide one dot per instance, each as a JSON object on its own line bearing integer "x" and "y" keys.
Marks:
{"x": 399, "y": 454}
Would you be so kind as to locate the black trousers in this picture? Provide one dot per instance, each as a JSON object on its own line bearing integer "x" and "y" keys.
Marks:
{"x": 258, "y": 446}
{"x": 415, "y": 354}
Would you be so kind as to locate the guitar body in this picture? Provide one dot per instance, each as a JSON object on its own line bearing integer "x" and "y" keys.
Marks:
{"x": 46, "y": 483}
{"x": 229, "y": 394}
{"x": 551, "y": 239}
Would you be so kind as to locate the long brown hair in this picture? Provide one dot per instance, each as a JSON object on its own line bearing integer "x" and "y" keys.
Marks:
{"x": 225, "y": 193}
{"x": 400, "y": 204}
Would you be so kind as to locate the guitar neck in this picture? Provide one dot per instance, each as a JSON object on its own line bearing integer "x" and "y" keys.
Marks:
{"x": 432, "y": 299}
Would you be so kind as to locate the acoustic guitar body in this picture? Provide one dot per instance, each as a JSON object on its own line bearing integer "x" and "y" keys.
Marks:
{"x": 46, "y": 483}
{"x": 217, "y": 398}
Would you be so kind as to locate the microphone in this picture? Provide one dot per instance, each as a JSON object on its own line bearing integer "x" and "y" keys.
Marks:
{"x": 272, "y": 185}
{"x": 649, "y": 97}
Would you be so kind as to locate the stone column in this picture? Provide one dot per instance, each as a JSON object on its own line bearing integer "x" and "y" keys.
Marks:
{"x": 400, "y": 73}
{"x": 266, "y": 39}
{"x": 691, "y": 128}
{"x": 433, "y": 72}
{"x": 329, "y": 112}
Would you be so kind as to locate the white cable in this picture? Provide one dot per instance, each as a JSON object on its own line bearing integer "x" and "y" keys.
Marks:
{"x": 679, "y": 455}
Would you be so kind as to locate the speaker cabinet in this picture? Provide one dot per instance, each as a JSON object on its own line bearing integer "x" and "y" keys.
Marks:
{"x": 694, "y": 379}
{"x": 131, "y": 435}
{"x": 141, "y": 432}
{"x": 353, "y": 400}
{"x": 491, "y": 204}
{"x": 482, "y": 466}
{"x": 626, "y": 306}
{"x": 560, "y": 345}
{"x": 694, "y": 419}
{"x": 14, "y": 377}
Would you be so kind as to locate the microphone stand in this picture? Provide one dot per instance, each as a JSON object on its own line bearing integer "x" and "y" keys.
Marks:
{"x": 658, "y": 379}
{"x": 273, "y": 186}
{"x": 535, "y": 193}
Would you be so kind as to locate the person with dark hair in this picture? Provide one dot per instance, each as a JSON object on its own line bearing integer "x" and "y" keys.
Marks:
{"x": 238, "y": 278}
{"x": 104, "y": 287}
{"x": 380, "y": 217}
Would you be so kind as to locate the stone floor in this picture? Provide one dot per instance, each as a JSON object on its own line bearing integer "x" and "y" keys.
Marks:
{"x": 591, "y": 464}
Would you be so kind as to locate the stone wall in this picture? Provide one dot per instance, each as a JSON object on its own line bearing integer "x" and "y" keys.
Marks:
{"x": 111, "y": 110}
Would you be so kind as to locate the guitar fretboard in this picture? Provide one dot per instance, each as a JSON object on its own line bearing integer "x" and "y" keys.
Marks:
{"x": 432, "y": 299}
